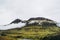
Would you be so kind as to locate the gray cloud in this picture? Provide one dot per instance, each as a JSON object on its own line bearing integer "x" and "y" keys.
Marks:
{"x": 24, "y": 9}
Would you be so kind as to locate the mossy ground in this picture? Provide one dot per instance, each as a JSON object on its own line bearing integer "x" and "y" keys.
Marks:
{"x": 31, "y": 32}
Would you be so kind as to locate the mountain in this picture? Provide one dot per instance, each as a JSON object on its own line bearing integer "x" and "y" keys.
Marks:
{"x": 14, "y": 24}
{"x": 31, "y": 32}
{"x": 40, "y": 18}
{"x": 16, "y": 21}
{"x": 41, "y": 21}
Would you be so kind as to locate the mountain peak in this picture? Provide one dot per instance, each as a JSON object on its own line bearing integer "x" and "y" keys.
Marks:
{"x": 16, "y": 21}
{"x": 40, "y": 18}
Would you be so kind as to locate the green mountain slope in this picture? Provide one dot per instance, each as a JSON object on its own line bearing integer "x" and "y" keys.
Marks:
{"x": 30, "y": 32}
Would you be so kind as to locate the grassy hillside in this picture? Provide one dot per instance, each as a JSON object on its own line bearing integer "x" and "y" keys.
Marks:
{"x": 30, "y": 32}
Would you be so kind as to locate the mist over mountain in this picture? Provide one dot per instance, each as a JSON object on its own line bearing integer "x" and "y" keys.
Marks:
{"x": 14, "y": 24}
{"x": 17, "y": 23}
{"x": 11, "y": 26}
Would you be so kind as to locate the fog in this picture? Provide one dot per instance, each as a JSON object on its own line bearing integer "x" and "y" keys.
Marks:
{"x": 25, "y": 9}
{"x": 11, "y": 26}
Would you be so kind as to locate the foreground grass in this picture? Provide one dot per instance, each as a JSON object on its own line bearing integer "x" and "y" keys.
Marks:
{"x": 31, "y": 32}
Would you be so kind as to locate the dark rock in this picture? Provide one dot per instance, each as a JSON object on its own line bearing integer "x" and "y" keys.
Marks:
{"x": 57, "y": 37}
{"x": 16, "y": 21}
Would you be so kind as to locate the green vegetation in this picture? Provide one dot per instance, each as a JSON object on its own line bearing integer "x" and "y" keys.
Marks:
{"x": 30, "y": 32}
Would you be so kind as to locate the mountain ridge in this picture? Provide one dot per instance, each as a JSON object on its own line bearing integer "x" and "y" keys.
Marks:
{"x": 31, "y": 31}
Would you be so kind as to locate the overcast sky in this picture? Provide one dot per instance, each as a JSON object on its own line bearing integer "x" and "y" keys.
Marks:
{"x": 24, "y": 9}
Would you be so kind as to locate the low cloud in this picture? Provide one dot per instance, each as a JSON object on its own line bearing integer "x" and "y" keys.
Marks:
{"x": 24, "y": 9}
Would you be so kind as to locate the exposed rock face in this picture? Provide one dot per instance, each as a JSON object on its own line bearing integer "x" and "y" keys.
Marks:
{"x": 40, "y": 18}
{"x": 16, "y": 21}
{"x": 40, "y": 21}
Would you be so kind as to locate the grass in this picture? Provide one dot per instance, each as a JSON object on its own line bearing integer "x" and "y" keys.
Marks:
{"x": 31, "y": 32}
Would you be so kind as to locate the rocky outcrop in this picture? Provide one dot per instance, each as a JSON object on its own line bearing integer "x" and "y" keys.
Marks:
{"x": 40, "y": 21}
{"x": 16, "y": 21}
